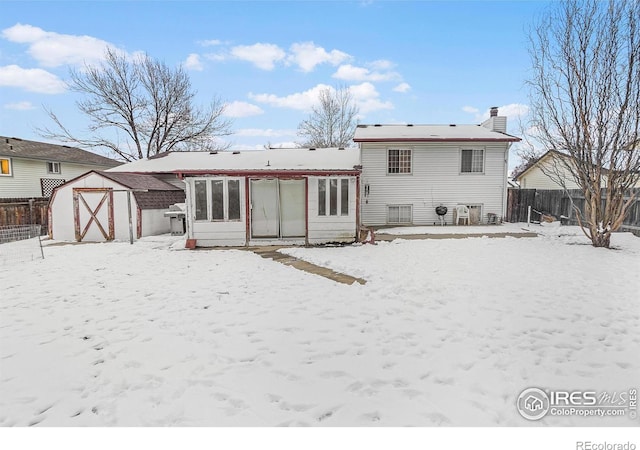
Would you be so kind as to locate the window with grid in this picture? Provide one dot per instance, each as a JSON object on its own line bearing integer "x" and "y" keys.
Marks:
{"x": 399, "y": 214}
{"x": 399, "y": 161}
{"x": 472, "y": 161}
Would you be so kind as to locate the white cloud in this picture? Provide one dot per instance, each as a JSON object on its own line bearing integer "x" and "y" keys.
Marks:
{"x": 511, "y": 111}
{"x": 355, "y": 73}
{"x": 367, "y": 98}
{"x": 402, "y": 87}
{"x": 470, "y": 109}
{"x": 53, "y": 49}
{"x": 33, "y": 80}
{"x": 307, "y": 56}
{"x": 263, "y": 56}
{"x": 193, "y": 62}
{"x": 242, "y": 109}
{"x": 20, "y": 106}
{"x": 300, "y": 100}
{"x": 210, "y": 42}
{"x": 381, "y": 64}
{"x": 260, "y": 132}
{"x": 216, "y": 56}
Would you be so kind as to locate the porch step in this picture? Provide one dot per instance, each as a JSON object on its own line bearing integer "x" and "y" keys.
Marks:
{"x": 273, "y": 254}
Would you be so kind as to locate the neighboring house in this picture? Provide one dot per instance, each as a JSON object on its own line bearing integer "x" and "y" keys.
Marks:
{"x": 546, "y": 172}
{"x": 409, "y": 170}
{"x": 261, "y": 197}
{"x": 33, "y": 169}
{"x": 94, "y": 207}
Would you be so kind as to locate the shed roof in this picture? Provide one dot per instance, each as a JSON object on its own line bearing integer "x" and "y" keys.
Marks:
{"x": 139, "y": 181}
{"x": 288, "y": 159}
{"x": 429, "y": 133}
{"x": 22, "y": 148}
{"x": 159, "y": 199}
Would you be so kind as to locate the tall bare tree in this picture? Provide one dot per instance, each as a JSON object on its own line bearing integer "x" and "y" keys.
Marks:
{"x": 585, "y": 104}
{"x": 140, "y": 107}
{"x": 332, "y": 122}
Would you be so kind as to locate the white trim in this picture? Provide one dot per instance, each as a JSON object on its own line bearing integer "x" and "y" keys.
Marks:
{"x": 484, "y": 160}
{"x": 393, "y": 174}
{"x": 51, "y": 165}
{"x": 327, "y": 197}
{"x": 399, "y": 222}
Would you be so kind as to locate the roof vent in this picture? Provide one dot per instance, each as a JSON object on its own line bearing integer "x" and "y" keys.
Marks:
{"x": 452, "y": 124}
{"x": 377, "y": 125}
{"x": 362, "y": 126}
{"x": 215, "y": 152}
{"x": 237, "y": 152}
{"x": 7, "y": 140}
{"x": 340, "y": 148}
{"x": 409, "y": 124}
{"x": 311, "y": 149}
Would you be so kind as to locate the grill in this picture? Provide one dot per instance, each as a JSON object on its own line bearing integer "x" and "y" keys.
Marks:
{"x": 441, "y": 211}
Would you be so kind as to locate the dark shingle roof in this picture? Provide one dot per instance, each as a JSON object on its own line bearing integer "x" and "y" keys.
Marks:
{"x": 139, "y": 181}
{"x": 21, "y": 148}
{"x": 159, "y": 199}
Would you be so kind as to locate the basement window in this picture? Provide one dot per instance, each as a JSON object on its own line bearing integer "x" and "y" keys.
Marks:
{"x": 399, "y": 214}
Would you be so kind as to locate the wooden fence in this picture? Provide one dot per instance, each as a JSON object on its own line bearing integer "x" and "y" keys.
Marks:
{"x": 558, "y": 203}
{"x": 25, "y": 211}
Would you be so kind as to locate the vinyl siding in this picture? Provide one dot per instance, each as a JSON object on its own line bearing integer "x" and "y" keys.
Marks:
{"x": 24, "y": 181}
{"x": 324, "y": 229}
{"x": 535, "y": 178}
{"x": 435, "y": 180}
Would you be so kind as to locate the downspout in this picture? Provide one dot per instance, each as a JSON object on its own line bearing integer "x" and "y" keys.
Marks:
{"x": 504, "y": 178}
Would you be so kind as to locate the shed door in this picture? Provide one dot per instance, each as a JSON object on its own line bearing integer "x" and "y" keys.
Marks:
{"x": 93, "y": 214}
{"x": 264, "y": 208}
{"x": 292, "y": 208}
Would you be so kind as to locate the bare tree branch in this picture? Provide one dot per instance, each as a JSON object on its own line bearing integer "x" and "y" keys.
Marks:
{"x": 139, "y": 108}
{"x": 332, "y": 122}
{"x": 585, "y": 104}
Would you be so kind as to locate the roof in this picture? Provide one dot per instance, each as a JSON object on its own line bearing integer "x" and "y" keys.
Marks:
{"x": 159, "y": 199}
{"x": 534, "y": 162}
{"x": 21, "y": 148}
{"x": 429, "y": 133}
{"x": 288, "y": 159}
{"x": 138, "y": 181}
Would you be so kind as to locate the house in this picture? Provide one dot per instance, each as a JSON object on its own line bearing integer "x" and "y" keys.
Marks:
{"x": 264, "y": 197}
{"x": 31, "y": 169}
{"x": 549, "y": 171}
{"x": 102, "y": 206}
{"x": 409, "y": 170}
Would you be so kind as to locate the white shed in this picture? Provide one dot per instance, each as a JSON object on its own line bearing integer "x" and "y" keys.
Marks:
{"x": 265, "y": 197}
{"x": 94, "y": 207}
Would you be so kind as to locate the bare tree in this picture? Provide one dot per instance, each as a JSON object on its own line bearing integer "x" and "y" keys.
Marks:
{"x": 332, "y": 122}
{"x": 585, "y": 104}
{"x": 140, "y": 107}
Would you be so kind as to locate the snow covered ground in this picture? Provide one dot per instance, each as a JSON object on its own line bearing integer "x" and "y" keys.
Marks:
{"x": 445, "y": 332}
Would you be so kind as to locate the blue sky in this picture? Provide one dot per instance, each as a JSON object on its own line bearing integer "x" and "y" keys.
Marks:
{"x": 405, "y": 62}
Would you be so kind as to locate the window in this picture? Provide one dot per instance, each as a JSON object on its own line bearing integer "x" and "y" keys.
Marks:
{"x": 335, "y": 199}
{"x": 472, "y": 161}
{"x": 399, "y": 161}
{"x": 399, "y": 214}
{"x": 217, "y": 199}
{"x": 53, "y": 167}
{"x": 5, "y": 166}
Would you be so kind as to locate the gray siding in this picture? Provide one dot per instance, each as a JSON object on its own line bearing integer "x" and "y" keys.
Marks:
{"x": 435, "y": 179}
